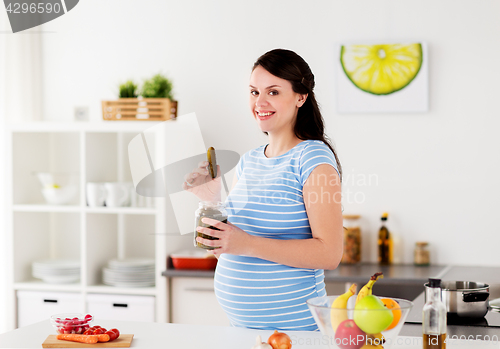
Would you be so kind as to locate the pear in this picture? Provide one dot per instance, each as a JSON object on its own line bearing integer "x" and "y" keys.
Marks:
{"x": 371, "y": 315}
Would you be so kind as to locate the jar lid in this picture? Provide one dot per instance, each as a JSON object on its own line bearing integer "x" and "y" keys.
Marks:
{"x": 421, "y": 243}
{"x": 351, "y": 216}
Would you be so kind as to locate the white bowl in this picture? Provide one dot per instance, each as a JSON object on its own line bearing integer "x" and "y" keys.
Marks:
{"x": 59, "y": 196}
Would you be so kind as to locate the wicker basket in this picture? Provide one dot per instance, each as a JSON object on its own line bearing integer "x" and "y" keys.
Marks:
{"x": 144, "y": 109}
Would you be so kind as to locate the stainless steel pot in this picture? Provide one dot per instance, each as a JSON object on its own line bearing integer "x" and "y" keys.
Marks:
{"x": 465, "y": 298}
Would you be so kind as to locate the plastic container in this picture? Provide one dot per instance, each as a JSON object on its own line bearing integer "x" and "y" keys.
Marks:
{"x": 194, "y": 260}
{"x": 66, "y": 323}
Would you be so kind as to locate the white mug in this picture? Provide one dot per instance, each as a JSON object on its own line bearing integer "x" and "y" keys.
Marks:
{"x": 117, "y": 194}
{"x": 96, "y": 194}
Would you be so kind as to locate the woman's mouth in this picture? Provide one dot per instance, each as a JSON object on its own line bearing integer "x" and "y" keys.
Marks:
{"x": 264, "y": 115}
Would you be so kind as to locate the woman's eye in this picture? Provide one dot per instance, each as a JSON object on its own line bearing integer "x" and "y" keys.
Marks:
{"x": 273, "y": 93}
{"x": 254, "y": 93}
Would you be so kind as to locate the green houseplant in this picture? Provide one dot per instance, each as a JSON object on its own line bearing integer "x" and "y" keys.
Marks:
{"x": 157, "y": 87}
{"x": 128, "y": 90}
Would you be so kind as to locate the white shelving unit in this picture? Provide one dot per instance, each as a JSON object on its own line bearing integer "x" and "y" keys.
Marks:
{"x": 96, "y": 153}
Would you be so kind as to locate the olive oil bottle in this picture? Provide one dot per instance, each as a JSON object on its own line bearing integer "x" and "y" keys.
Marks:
{"x": 434, "y": 317}
{"x": 385, "y": 244}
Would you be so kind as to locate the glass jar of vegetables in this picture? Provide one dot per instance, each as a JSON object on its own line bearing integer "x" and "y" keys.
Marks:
{"x": 209, "y": 209}
{"x": 352, "y": 239}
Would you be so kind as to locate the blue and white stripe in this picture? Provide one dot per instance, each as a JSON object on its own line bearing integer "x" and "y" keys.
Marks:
{"x": 267, "y": 201}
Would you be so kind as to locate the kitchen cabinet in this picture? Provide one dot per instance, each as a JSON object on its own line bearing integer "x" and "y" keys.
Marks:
{"x": 193, "y": 302}
{"x": 92, "y": 235}
{"x": 35, "y": 306}
{"x": 122, "y": 307}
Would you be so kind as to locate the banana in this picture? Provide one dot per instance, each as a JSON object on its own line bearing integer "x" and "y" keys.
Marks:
{"x": 338, "y": 312}
{"x": 367, "y": 289}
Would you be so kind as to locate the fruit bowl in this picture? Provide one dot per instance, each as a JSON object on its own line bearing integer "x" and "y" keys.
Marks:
{"x": 350, "y": 328}
{"x": 67, "y": 323}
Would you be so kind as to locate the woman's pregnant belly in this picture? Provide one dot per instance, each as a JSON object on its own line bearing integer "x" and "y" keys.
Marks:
{"x": 260, "y": 294}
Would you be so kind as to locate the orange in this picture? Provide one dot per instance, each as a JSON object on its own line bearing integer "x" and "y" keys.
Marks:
{"x": 396, "y": 311}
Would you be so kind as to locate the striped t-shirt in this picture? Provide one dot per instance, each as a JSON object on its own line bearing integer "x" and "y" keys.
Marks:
{"x": 267, "y": 201}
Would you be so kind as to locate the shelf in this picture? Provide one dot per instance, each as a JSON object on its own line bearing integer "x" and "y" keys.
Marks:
{"x": 92, "y": 152}
{"x": 103, "y": 126}
{"x": 38, "y": 285}
{"x": 143, "y": 291}
{"x": 45, "y": 208}
{"x": 122, "y": 210}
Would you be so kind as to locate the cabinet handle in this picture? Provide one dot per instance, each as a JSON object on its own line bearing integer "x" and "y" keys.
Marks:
{"x": 120, "y": 305}
{"x": 199, "y": 289}
{"x": 50, "y": 300}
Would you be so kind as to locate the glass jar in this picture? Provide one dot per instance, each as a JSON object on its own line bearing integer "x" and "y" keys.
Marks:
{"x": 421, "y": 254}
{"x": 209, "y": 209}
{"x": 352, "y": 240}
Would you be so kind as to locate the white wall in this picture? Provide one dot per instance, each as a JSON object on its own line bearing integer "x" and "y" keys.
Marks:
{"x": 436, "y": 173}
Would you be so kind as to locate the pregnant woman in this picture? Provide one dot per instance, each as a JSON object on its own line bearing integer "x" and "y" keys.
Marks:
{"x": 284, "y": 211}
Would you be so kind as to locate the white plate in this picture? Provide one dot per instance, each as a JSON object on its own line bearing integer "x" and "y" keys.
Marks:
{"x": 60, "y": 279}
{"x": 57, "y": 263}
{"x": 131, "y": 262}
{"x": 130, "y": 284}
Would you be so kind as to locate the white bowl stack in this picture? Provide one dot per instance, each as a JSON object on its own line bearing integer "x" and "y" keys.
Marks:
{"x": 130, "y": 272}
{"x": 57, "y": 271}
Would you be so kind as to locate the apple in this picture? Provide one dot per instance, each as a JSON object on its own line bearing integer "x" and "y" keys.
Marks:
{"x": 371, "y": 315}
{"x": 349, "y": 335}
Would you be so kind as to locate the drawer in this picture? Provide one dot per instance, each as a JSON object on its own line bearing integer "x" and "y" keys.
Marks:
{"x": 35, "y": 306}
{"x": 193, "y": 302}
{"x": 121, "y": 307}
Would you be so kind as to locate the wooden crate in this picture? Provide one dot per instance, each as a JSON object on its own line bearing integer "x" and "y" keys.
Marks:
{"x": 145, "y": 109}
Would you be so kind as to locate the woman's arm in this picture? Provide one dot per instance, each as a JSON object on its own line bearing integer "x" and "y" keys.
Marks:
{"x": 322, "y": 198}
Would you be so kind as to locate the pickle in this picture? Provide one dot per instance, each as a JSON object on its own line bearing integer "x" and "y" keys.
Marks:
{"x": 212, "y": 162}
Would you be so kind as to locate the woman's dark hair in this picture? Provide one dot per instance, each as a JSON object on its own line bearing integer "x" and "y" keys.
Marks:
{"x": 288, "y": 65}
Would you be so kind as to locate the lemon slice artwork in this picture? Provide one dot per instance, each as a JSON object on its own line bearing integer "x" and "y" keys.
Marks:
{"x": 381, "y": 69}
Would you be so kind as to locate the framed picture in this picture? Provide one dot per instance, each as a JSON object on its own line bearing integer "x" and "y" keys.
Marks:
{"x": 382, "y": 78}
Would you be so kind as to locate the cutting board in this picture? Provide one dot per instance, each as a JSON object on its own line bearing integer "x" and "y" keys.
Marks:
{"x": 121, "y": 342}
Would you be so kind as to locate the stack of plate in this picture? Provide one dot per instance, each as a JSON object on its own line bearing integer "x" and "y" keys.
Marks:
{"x": 57, "y": 271}
{"x": 131, "y": 272}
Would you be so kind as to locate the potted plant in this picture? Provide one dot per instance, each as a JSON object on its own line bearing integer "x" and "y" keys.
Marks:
{"x": 128, "y": 90}
{"x": 157, "y": 87}
{"x": 154, "y": 104}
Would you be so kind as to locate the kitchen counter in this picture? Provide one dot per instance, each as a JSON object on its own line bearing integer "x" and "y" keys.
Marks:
{"x": 359, "y": 273}
{"x": 162, "y": 335}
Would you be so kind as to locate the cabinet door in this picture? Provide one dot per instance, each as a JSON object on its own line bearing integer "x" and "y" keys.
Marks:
{"x": 193, "y": 302}
{"x": 121, "y": 307}
{"x": 35, "y": 306}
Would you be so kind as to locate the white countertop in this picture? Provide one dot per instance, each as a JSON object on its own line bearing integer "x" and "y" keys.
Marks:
{"x": 162, "y": 335}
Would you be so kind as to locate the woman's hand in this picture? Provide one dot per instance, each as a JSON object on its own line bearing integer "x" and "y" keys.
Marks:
{"x": 232, "y": 239}
{"x": 200, "y": 183}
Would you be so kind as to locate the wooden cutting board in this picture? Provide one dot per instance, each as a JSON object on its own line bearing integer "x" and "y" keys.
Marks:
{"x": 121, "y": 342}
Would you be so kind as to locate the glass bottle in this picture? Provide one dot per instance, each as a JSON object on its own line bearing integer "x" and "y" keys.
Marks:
{"x": 384, "y": 242}
{"x": 209, "y": 209}
{"x": 434, "y": 317}
{"x": 421, "y": 254}
{"x": 352, "y": 240}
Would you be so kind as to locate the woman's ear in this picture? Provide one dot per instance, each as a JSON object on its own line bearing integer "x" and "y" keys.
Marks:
{"x": 302, "y": 99}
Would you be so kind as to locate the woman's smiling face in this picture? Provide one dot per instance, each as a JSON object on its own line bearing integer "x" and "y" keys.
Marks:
{"x": 273, "y": 102}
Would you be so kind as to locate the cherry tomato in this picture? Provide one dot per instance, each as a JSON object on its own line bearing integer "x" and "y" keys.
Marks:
{"x": 89, "y": 331}
{"x": 113, "y": 334}
{"x": 99, "y": 331}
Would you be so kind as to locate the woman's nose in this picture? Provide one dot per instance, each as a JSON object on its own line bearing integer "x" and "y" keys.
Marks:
{"x": 261, "y": 100}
